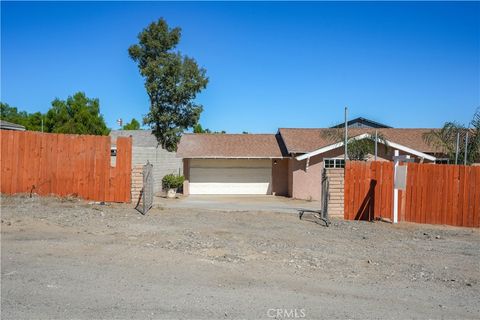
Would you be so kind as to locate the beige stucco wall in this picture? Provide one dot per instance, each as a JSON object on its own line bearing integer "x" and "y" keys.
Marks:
{"x": 306, "y": 182}
{"x": 280, "y": 177}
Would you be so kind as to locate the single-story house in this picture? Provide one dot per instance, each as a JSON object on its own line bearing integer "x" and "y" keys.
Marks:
{"x": 288, "y": 163}
{"x": 6, "y": 125}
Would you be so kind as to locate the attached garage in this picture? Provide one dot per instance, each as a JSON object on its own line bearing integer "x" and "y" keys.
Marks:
{"x": 235, "y": 164}
{"x": 230, "y": 176}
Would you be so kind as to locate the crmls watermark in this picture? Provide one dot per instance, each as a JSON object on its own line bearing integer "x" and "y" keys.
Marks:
{"x": 281, "y": 313}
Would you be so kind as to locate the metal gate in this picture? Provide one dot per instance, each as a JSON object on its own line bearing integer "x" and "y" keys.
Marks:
{"x": 325, "y": 194}
{"x": 321, "y": 214}
{"x": 146, "y": 196}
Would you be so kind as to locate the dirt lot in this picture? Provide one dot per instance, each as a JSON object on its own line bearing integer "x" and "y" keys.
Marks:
{"x": 70, "y": 259}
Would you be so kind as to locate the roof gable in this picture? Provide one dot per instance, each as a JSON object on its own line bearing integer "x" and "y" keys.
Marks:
{"x": 361, "y": 123}
{"x": 364, "y": 136}
{"x": 307, "y": 140}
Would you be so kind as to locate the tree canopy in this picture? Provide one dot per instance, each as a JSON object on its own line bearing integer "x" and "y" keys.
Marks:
{"x": 446, "y": 139}
{"x": 31, "y": 121}
{"x": 78, "y": 114}
{"x": 197, "y": 128}
{"x": 172, "y": 81}
{"x": 132, "y": 125}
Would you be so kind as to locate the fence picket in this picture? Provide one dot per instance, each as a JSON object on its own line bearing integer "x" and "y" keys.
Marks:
{"x": 63, "y": 164}
{"x": 435, "y": 194}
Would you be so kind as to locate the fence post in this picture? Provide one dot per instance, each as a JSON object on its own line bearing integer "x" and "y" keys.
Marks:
{"x": 395, "y": 190}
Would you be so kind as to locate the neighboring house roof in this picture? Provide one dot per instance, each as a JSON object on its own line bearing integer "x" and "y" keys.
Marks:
{"x": 307, "y": 140}
{"x": 140, "y": 138}
{"x": 229, "y": 146}
{"x": 361, "y": 123}
{"x": 5, "y": 125}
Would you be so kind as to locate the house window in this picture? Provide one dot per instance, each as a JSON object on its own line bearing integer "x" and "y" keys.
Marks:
{"x": 442, "y": 161}
{"x": 331, "y": 163}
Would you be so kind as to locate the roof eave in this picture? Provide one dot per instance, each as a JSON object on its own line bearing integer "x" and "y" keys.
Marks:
{"x": 363, "y": 136}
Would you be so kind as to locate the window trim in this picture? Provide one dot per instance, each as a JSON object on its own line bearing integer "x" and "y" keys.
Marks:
{"x": 442, "y": 159}
{"x": 336, "y": 163}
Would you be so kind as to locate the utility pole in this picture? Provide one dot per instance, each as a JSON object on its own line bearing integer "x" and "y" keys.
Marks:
{"x": 466, "y": 150}
{"x": 346, "y": 136}
{"x": 456, "y": 148}
{"x": 376, "y": 144}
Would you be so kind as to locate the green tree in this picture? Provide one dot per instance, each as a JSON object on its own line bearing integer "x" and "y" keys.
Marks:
{"x": 78, "y": 114}
{"x": 198, "y": 129}
{"x": 445, "y": 139}
{"x": 31, "y": 121}
{"x": 357, "y": 149}
{"x": 172, "y": 81}
{"x": 133, "y": 125}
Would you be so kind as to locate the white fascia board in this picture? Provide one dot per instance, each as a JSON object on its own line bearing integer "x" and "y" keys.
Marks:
{"x": 410, "y": 150}
{"x": 363, "y": 136}
{"x": 328, "y": 148}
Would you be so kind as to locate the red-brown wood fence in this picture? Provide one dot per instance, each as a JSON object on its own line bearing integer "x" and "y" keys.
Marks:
{"x": 368, "y": 190}
{"x": 442, "y": 194}
{"x": 65, "y": 164}
{"x": 435, "y": 194}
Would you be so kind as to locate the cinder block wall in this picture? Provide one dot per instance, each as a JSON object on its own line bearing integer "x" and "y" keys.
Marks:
{"x": 336, "y": 178}
{"x": 163, "y": 162}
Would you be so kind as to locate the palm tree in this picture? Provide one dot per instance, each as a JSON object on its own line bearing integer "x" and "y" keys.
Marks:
{"x": 445, "y": 139}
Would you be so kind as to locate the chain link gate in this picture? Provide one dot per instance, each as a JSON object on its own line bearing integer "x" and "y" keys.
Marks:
{"x": 146, "y": 196}
{"x": 321, "y": 214}
{"x": 325, "y": 195}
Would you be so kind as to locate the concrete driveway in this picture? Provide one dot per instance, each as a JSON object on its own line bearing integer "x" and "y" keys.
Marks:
{"x": 238, "y": 203}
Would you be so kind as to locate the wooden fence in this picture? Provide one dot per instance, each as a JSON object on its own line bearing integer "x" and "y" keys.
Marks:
{"x": 64, "y": 164}
{"x": 435, "y": 194}
{"x": 442, "y": 194}
{"x": 368, "y": 190}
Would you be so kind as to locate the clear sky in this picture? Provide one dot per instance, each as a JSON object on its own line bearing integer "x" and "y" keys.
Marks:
{"x": 406, "y": 64}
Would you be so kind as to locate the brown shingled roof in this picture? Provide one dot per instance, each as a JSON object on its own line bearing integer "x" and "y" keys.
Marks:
{"x": 229, "y": 146}
{"x": 307, "y": 140}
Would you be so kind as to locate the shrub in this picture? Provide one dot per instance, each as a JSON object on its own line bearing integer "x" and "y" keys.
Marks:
{"x": 172, "y": 181}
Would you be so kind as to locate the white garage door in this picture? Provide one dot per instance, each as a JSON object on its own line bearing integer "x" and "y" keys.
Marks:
{"x": 229, "y": 176}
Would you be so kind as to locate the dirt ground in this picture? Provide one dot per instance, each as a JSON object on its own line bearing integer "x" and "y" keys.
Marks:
{"x": 69, "y": 259}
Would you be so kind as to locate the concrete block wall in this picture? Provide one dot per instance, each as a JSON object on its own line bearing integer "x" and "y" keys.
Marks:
{"x": 163, "y": 162}
{"x": 137, "y": 182}
{"x": 336, "y": 178}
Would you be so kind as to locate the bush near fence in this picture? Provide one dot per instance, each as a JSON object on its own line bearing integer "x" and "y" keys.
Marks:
{"x": 65, "y": 164}
{"x": 435, "y": 194}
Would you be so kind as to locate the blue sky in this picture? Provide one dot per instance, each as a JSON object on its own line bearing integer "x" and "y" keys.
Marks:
{"x": 406, "y": 64}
